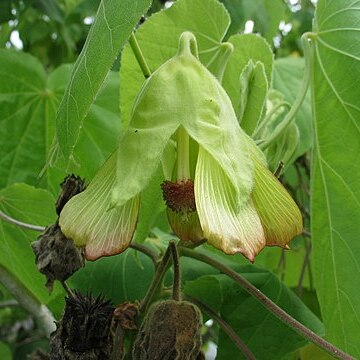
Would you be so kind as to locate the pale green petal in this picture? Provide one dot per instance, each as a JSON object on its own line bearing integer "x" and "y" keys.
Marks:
{"x": 279, "y": 214}
{"x": 88, "y": 220}
{"x": 182, "y": 92}
{"x": 225, "y": 225}
{"x": 213, "y": 124}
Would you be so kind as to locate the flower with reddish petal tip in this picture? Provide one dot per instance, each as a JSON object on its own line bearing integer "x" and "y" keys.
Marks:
{"x": 91, "y": 223}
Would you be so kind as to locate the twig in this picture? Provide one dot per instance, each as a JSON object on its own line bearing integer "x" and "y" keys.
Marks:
{"x": 279, "y": 169}
{"x": 176, "y": 293}
{"x": 147, "y": 251}
{"x": 27, "y": 300}
{"x": 20, "y": 223}
{"x": 160, "y": 272}
{"x": 8, "y": 303}
{"x": 269, "y": 304}
{"x": 306, "y": 261}
{"x": 67, "y": 289}
{"x": 225, "y": 327}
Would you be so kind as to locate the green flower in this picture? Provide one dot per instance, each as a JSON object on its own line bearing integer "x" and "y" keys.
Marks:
{"x": 220, "y": 191}
{"x": 87, "y": 219}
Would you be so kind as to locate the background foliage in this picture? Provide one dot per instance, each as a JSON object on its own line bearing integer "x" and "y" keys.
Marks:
{"x": 319, "y": 288}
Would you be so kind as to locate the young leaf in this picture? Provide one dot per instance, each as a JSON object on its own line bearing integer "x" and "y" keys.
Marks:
{"x": 246, "y": 47}
{"x": 114, "y": 22}
{"x": 335, "y": 187}
{"x": 253, "y": 90}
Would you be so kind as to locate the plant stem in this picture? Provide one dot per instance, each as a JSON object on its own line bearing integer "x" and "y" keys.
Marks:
{"x": 225, "y": 51}
{"x": 305, "y": 264}
{"x": 225, "y": 327}
{"x": 145, "y": 250}
{"x": 27, "y": 300}
{"x": 279, "y": 169}
{"x": 268, "y": 117}
{"x": 20, "y": 223}
{"x": 68, "y": 290}
{"x": 8, "y": 303}
{"x": 159, "y": 274}
{"x": 139, "y": 56}
{"x": 290, "y": 117}
{"x": 176, "y": 294}
{"x": 269, "y": 304}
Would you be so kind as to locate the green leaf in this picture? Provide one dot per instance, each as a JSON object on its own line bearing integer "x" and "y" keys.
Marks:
{"x": 28, "y": 102}
{"x": 34, "y": 206}
{"x": 263, "y": 333}
{"x": 5, "y": 11}
{"x": 246, "y": 48}
{"x": 121, "y": 278}
{"x": 22, "y": 135}
{"x": 265, "y": 14}
{"x": 236, "y": 11}
{"x": 199, "y": 289}
{"x": 335, "y": 187}
{"x": 114, "y": 23}
{"x": 5, "y": 352}
{"x": 287, "y": 77}
{"x": 158, "y": 38}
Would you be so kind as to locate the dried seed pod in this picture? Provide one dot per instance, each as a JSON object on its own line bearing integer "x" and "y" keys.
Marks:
{"x": 170, "y": 331}
{"x": 56, "y": 256}
{"x": 71, "y": 186}
{"x": 38, "y": 354}
{"x": 83, "y": 333}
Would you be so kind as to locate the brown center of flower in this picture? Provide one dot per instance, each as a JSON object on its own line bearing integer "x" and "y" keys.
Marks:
{"x": 179, "y": 196}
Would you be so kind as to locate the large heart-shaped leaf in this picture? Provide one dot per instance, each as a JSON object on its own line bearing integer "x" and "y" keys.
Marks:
{"x": 336, "y": 171}
{"x": 250, "y": 320}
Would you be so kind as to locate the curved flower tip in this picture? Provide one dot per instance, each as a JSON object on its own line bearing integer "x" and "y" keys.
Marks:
{"x": 225, "y": 225}
{"x": 279, "y": 214}
{"x": 88, "y": 219}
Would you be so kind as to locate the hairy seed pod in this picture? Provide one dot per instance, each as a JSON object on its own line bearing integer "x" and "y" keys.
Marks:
{"x": 83, "y": 333}
{"x": 170, "y": 331}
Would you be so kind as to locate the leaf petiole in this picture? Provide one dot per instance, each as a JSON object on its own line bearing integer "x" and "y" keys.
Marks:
{"x": 139, "y": 56}
{"x": 290, "y": 117}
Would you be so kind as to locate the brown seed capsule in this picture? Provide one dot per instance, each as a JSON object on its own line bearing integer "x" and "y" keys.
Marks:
{"x": 170, "y": 331}
{"x": 71, "y": 186}
{"x": 38, "y": 354}
{"x": 56, "y": 256}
